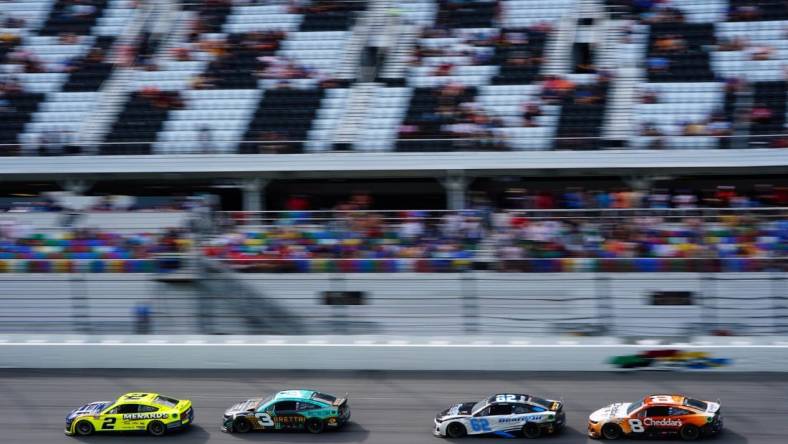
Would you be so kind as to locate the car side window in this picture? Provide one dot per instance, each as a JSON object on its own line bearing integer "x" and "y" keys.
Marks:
{"x": 519, "y": 409}
{"x": 657, "y": 411}
{"x": 675, "y": 411}
{"x": 485, "y": 412}
{"x": 285, "y": 406}
{"x": 500, "y": 409}
{"x": 127, "y": 408}
{"x": 305, "y": 406}
{"x": 148, "y": 409}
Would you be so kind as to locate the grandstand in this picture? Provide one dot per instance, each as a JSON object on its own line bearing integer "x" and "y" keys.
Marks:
{"x": 231, "y": 141}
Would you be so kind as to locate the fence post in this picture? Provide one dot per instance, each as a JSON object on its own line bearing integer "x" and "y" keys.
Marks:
{"x": 470, "y": 303}
{"x": 79, "y": 303}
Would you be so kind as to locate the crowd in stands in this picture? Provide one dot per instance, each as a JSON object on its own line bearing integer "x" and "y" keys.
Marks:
{"x": 513, "y": 237}
{"x": 22, "y": 249}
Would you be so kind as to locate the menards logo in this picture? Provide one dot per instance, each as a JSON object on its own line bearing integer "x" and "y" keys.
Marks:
{"x": 667, "y": 422}
{"x": 145, "y": 416}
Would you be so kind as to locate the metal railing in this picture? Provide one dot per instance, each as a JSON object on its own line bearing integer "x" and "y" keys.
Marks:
{"x": 415, "y": 144}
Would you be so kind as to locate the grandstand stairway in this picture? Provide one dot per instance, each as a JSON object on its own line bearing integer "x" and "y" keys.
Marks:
{"x": 60, "y": 20}
{"x": 282, "y": 114}
{"x": 691, "y": 64}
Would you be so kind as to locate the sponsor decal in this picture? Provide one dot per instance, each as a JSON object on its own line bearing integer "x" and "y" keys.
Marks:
{"x": 289, "y": 419}
{"x": 138, "y": 416}
{"x": 669, "y": 359}
{"x": 521, "y": 419}
{"x": 332, "y": 421}
{"x": 665, "y": 422}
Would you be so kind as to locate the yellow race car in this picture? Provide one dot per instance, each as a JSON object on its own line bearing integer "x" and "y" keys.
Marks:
{"x": 149, "y": 412}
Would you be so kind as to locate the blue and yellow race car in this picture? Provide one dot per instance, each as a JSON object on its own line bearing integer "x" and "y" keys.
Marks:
{"x": 149, "y": 412}
{"x": 307, "y": 410}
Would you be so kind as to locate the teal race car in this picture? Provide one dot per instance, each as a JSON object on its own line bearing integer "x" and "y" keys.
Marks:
{"x": 307, "y": 410}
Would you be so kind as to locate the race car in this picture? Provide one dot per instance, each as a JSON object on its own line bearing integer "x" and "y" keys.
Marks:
{"x": 657, "y": 416}
{"x": 150, "y": 412}
{"x": 503, "y": 414}
{"x": 308, "y": 410}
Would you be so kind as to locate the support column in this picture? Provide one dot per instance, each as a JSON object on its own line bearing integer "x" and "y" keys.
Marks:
{"x": 253, "y": 194}
{"x": 456, "y": 190}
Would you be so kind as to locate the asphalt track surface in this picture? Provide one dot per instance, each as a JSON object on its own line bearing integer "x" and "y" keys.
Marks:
{"x": 387, "y": 407}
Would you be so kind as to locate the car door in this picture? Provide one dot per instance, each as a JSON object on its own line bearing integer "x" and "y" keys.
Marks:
{"x": 496, "y": 417}
{"x": 656, "y": 419}
{"x": 112, "y": 420}
{"x": 286, "y": 415}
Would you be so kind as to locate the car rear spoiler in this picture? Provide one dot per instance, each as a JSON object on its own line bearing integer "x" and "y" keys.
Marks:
{"x": 340, "y": 401}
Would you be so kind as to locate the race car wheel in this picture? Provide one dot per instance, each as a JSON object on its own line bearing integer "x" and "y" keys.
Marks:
{"x": 156, "y": 428}
{"x": 531, "y": 430}
{"x": 314, "y": 425}
{"x": 84, "y": 428}
{"x": 689, "y": 432}
{"x": 456, "y": 430}
{"x": 241, "y": 425}
{"x": 611, "y": 431}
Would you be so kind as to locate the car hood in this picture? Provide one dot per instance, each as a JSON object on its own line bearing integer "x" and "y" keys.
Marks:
{"x": 462, "y": 409}
{"x": 616, "y": 410}
{"x": 244, "y": 406}
{"x": 93, "y": 408}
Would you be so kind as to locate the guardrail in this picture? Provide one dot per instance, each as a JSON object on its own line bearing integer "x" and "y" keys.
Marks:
{"x": 384, "y": 353}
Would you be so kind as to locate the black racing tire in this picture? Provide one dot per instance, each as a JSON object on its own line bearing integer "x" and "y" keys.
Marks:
{"x": 157, "y": 428}
{"x": 456, "y": 430}
{"x": 84, "y": 428}
{"x": 241, "y": 425}
{"x": 531, "y": 430}
{"x": 611, "y": 431}
{"x": 689, "y": 432}
{"x": 314, "y": 425}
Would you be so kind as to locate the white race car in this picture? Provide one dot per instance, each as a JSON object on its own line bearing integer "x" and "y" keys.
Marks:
{"x": 503, "y": 414}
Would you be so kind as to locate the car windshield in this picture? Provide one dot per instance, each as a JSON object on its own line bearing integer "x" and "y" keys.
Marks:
{"x": 634, "y": 406}
{"x": 479, "y": 405}
{"x": 265, "y": 401}
{"x": 695, "y": 403}
{"x": 165, "y": 401}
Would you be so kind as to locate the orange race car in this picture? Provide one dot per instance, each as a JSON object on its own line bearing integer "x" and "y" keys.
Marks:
{"x": 657, "y": 416}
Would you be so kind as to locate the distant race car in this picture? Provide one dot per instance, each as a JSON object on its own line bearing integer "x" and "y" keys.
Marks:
{"x": 669, "y": 360}
{"x": 503, "y": 414}
{"x": 288, "y": 410}
{"x": 150, "y": 412}
{"x": 657, "y": 416}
